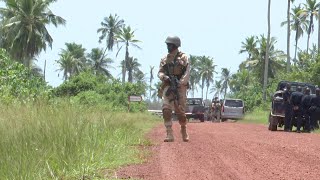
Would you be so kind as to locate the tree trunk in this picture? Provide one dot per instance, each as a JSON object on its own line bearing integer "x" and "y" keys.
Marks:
{"x": 207, "y": 92}
{"x": 202, "y": 87}
{"x": 296, "y": 47}
{"x": 309, "y": 31}
{"x": 124, "y": 70}
{"x": 288, "y": 37}
{"x": 130, "y": 79}
{"x": 266, "y": 65}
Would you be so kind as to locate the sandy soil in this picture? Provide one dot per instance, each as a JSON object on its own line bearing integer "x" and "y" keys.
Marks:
{"x": 229, "y": 151}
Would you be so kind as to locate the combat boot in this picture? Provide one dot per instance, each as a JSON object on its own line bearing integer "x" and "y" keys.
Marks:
{"x": 185, "y": 136}
{"x": 169, "y": 137}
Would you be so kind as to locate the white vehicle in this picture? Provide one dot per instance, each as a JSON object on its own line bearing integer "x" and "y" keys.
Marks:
{"x": 232, "y": 109}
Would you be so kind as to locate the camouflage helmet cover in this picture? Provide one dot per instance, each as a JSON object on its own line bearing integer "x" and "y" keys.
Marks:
{"x": 173, "y": 40}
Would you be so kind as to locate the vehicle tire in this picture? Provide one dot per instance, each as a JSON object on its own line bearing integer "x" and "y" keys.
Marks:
{"x": 273, "y": 123}
{"x": 201, "y": 118}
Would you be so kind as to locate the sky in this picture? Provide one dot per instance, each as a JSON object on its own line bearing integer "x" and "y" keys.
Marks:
{"x": 213, "y": 28}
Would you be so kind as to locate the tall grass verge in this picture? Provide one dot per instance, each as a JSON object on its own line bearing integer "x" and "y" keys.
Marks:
{"x": 66, "y": 141}
{"x": 257, "y": 116}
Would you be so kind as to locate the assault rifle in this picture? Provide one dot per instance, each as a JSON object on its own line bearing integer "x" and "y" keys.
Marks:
{"x": 174, "y": 83}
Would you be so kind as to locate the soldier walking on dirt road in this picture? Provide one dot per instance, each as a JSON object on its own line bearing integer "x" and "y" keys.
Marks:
{"x": 174, "y": 72}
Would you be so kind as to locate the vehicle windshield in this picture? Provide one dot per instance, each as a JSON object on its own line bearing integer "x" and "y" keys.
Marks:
{"x": 294, "y": 85}
{"x": 233, "y": 103}
{"x": 194, "y": 101}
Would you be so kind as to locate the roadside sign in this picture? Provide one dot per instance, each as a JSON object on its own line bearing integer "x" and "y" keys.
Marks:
{"x": 135, "y": 98}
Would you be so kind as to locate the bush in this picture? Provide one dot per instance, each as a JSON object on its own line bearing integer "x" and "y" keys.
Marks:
{"x": 17, "y": 83}
{"x": 89, "y": 89}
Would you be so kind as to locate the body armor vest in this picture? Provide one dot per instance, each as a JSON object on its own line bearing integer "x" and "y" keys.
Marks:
{"x": 175, "y": 68}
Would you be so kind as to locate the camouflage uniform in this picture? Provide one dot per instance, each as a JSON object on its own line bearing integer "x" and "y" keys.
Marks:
{"x": 216, "y": 111}
{"x": 175, "y": 63}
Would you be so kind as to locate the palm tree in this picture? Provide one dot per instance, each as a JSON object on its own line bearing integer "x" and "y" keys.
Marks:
{"x": 24, "y": 28}
{"x": 65, "y": 63}
{"x": 225, "y": 78}
{"x": 132, "y": 66}
{"x": 310, "y": 10}
{"x": 257, "y": 64}
{"x": 126, "y": 37}
{"x": 154, "y": 94}
{"x": 265, "y": 77}
{"x": 217, "y": 88}
{"x": 299, "y": 24}
{"x": 150, "y": 81}
{"x": 194, "y": 75}
{"x": 99, "y": 62}
{"x": 138, "y": 76}
{"x": 79, "y": 61}
{"x": 206, "y": 71}
{"x": 249, "y": 46}
{"x": 239, "y": 81}
{"x": 275, "y": 60}
{"x": 110, "y": 27}
{"x": 288, "y": 34}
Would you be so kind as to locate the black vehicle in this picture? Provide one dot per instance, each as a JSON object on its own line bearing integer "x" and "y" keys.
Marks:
{"x": 195, "y": 109}
{"x": 277, "y": 113}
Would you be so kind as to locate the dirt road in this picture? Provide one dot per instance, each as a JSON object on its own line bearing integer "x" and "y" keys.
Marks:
{"x": 229, "y": 151}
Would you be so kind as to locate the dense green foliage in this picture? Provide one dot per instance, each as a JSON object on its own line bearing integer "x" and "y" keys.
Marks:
{"x": 18, "y": 83}
{"x": 89, "y": 89}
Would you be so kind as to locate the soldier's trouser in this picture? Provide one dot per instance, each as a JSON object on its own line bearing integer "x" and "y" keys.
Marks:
{"x": 307, "y": 121}
{"x": 218, "y": 115}
{"x": 315, "y": 117}
{"x": 297, "y": 114}
{"x": 167, "y": 117}
{"x": 177, "y": 106}
{"x": 288, "y": 116}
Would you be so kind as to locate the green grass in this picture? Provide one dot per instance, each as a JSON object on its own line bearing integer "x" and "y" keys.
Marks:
{"x": 257, "y": 117}
{"x": 68, "y": 142}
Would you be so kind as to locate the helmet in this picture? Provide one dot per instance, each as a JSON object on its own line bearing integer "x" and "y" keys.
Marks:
{"x": 299, "y": 89}
{"x": 173, "y": 40}
{"x": 307, "y": 90}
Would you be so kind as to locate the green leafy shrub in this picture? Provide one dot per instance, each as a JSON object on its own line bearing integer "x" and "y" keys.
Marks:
{"x": 17, "y": 82}
{"x": 89, "y": 89}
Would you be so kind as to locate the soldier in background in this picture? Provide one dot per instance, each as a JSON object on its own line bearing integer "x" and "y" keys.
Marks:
{"x": 295, "y": 100}
{"x": 174, "y": 64}
{"x": 288, "y": 108}
{"x": 216, "y": 110}
{"x": 305, "y": 105}
{"x": 315, "y": 110}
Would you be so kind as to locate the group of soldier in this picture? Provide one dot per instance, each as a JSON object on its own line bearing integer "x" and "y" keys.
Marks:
{"x": 215, "y": 110}
{"x": 301, "y": 109}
